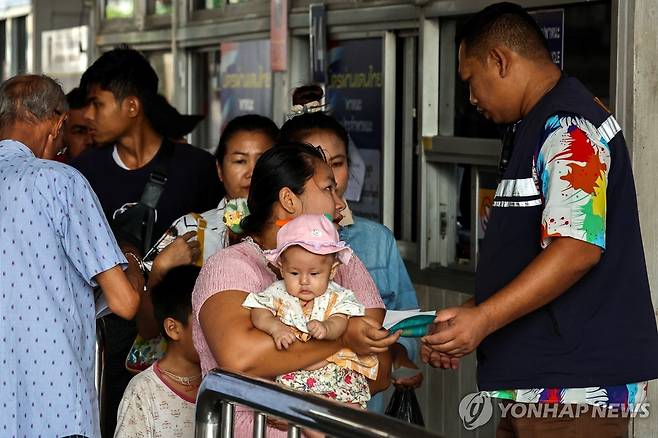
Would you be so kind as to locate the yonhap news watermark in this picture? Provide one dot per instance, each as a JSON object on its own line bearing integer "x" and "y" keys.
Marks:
{"x": 477, "y": 409}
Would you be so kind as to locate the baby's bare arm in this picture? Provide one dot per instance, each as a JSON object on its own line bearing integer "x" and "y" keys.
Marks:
{"x": 336, "y": 326}
{"x": 282, "y": 335}
{"x": 265, "y": 321}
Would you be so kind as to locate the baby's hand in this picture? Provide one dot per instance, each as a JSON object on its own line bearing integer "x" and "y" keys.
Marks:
{"x": 317, "y": 329}
{"x": 283, "y": 337}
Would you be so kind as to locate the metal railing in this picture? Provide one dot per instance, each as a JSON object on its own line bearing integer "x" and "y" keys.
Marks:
{"x": 99, "y": 371}
{"x": 222, "y": 390}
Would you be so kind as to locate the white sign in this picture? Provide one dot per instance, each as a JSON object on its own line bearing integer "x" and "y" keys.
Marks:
{"x": 357, "y": 169}
{"x": 64, "y": 53}
{"x": 369, "y": 203}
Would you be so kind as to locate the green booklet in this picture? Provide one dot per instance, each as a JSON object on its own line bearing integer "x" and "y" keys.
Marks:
{"x": 413, "y": 323}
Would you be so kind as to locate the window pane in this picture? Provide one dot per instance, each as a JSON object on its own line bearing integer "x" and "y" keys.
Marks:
{"x": 119, "y": 9}
{"x": 245, "y": 85}
{"x": 586, "y": 55}
{"x": 214, "y": 4}
{"x": 477, "y": 186}
{"x": 487, "y": 183}
{"x": 235, "y": 80}
{"x": 3, "y": 50}
{"x": 354, "y": 93}
{"x": 160, "y": 7}
{"x": 587, "y": 46}
{"x": 20, "y": 35}
{"x": 406, "y": 137}
{"x": 162, "y": 63}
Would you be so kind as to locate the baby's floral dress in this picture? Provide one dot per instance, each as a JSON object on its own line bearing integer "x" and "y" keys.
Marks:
{"x": 345, "y": 376}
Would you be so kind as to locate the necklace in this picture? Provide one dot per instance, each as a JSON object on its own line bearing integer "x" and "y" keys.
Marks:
{"x": 251, "y": 241}
{"x": 183, "y": 380}
{"x": 270, "y": 266}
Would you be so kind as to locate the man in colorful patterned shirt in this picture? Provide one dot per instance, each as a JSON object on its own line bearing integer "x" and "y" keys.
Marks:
{"x": 562, "y": 311}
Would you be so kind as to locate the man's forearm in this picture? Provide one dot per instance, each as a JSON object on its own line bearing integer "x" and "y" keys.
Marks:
{"x": 553, "y": 272}
{"x": 122, "y": 299}
{"x": 469, "y": 303}
{"x": 147, "y": 327}
{"x": 156, "y": 274}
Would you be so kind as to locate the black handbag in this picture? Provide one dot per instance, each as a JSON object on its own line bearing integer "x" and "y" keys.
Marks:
{"x": 404, "y": 406}
{"x": 135, "y": 223}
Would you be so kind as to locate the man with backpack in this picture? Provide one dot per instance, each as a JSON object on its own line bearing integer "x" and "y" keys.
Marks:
{"x": 143, "y": 179}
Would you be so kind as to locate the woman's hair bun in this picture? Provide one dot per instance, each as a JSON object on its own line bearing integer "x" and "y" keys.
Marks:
{"x": 306, "y": 94}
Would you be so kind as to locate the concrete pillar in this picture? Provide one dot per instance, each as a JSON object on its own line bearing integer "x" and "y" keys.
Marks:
{"x": 281, "y": 96}
{"x": 181, "y": 62}
{"x": 645, "y": 156}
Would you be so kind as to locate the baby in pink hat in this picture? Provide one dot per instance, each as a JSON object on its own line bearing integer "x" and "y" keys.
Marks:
{"x": 308, "y": 304}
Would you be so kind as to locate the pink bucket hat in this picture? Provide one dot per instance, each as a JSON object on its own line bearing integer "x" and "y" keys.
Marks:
{"x": 313, "y": 232}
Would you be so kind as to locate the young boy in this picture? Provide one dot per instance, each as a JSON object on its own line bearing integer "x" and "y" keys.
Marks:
{"x": 160, "y": 400}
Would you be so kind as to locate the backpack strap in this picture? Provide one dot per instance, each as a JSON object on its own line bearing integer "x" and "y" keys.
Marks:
{"x": 158, "y": 177}
{"x": 154, "y": 188}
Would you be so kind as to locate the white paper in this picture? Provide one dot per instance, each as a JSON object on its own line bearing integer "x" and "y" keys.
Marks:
{"x": 394, "y": 316}
{"x": 357, "y": 174}
{"x": 102, "y": 308}
{"x": 369, "y": 206}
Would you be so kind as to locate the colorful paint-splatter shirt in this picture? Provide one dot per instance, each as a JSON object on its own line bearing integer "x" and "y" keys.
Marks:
{"x": 571, "y": 171}
{"x": 631, "y": 395}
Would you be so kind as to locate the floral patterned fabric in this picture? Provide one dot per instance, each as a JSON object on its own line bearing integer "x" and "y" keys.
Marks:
{"x": 331, "y": 381}
{"x": 336, "y": 300}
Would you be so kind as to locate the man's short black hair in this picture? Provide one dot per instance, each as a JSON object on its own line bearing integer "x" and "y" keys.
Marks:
{"x": 123, "y": 72}
{"x": 172, "y": 297}
{"x": 77, "y": 98}
{"x": 507, "y": 24}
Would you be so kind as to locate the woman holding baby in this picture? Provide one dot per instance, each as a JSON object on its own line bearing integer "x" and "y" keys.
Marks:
{"x": 288, "y": 181}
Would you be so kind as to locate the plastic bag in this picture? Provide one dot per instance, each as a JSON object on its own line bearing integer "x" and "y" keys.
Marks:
{"x": 415, "y": 326}
{"x": 404, "y": 406}
{"x": 144, "y": 352}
